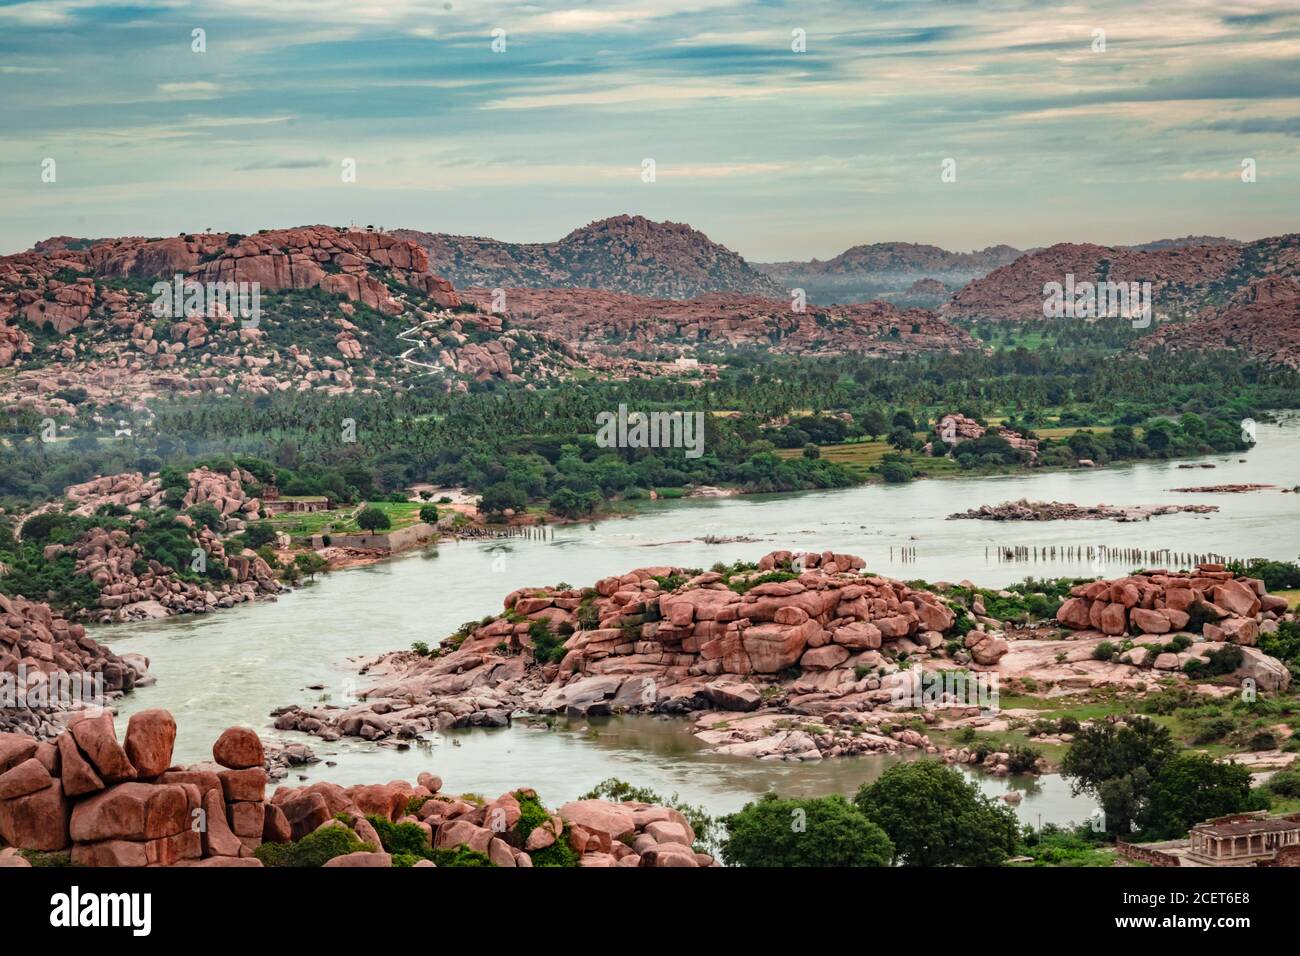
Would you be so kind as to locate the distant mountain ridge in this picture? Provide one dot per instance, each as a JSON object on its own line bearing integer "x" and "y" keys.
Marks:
{"x": 1186, "y": 279}
{"x": 629, "y": 254}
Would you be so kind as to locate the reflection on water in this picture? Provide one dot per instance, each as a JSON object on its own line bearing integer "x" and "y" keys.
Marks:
{"x": 235, "y": 666}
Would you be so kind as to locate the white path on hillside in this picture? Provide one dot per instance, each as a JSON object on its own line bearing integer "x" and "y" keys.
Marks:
{"x": 405, "y": 356}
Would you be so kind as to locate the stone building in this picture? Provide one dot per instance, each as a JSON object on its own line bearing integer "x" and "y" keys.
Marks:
{"x": 1243, "y": 839}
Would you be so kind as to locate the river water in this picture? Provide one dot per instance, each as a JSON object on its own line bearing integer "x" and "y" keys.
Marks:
{"x": 235, "y": 666}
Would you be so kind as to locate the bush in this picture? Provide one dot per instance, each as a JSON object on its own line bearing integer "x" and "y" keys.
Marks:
{"x": 896, "y": 472}
{"x": 429, "y": 514}
{"x": 934, "y": 817}
{"x": 259, "y": 534}
{"x": 548, "y": 647}
{"x": 1285, "y": 783}
{"x": 813, "y": 831}
{"x": 315, "y": 849}
{"x": 1103, "y": 651}
{"x": 407, "y": 844}
{"x": 1022, "y": 759}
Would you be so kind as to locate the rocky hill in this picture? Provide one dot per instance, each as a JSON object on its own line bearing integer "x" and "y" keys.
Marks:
{"x": 906, "y": 273}
{"x": 629, "y": 254}
{"x": 1263, "y": 319}
{"x": 593, "y": 320}
{"x": 337, "y": 310}
{"x": 1186, "y": 280}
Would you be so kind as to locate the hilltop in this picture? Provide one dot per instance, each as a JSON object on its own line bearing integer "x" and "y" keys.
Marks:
{"x": 628, "y": 254}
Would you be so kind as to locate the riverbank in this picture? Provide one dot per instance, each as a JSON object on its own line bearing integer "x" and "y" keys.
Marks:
{"x": 307, "y": 645}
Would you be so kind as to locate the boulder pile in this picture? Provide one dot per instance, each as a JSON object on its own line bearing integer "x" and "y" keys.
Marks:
{"x": 955, "y": 428}
{"x": 805, "y": 633}
{"x": 1026, "y": 510}
{"x": 37, "y": 648}
{"x": 111, "y": 803}
{"x": 132, "y": 490}
{"x": 1223, "y": 607}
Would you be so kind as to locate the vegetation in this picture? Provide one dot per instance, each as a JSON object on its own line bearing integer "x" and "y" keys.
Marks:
{"x": 315, "y": 849}
{"x": 707, "y": 828}
{"x": 934, "y": 817}
{"x": 813, "y": 831}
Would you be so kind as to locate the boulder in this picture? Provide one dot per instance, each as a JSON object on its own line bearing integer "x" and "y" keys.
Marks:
{"x": 95, "y": 737}
{"x": 131, "y": 811}
{"x": 28, "y": 777}
{"x": 239, "y": 749}
{"x": 150, "y": 736}
{"x": 79, "y": 777}
{"x": 611, "y": 818}
{"x": 37, "y": 821}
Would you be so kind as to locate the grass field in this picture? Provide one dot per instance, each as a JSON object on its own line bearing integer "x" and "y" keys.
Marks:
{"x": 343, "y": 520}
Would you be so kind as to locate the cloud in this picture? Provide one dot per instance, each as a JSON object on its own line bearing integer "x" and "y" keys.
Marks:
{"x": 195, "y": 89}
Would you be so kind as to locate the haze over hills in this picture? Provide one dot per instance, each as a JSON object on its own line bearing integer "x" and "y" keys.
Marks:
{"x": 629, "y": 254}
{"x": 891, "y": 271}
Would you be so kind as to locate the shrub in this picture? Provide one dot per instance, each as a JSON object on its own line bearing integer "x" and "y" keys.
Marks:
{"x": 1104, "y": 651}
{"x": 813, "y": 831}
{"x": 548, "y": 647}
{"x": 1285, "y": 783}
{"x": 315, "y": 849}
{"x": 259, "y": 534}
{"x": 429, "y": 514}
{"x": 1022, "y": 759}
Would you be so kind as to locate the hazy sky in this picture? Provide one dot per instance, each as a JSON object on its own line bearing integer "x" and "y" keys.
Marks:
{"x": 775, "y": 153}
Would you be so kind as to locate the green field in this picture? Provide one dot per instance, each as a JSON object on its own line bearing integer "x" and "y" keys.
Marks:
{"x": 343, "y": 520}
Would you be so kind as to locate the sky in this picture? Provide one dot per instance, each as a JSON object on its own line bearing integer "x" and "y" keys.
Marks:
{"x": 784, "y": 130}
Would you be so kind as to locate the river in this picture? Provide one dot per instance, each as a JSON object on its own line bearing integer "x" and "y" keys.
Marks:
{"x": 235, "y": 666}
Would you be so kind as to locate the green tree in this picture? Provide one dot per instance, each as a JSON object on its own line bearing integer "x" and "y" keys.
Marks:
{"x": 372, "y": 519}
{"x": 814, "y": 831}
{"x": 1192, "y": 787}
{"x": 502, "y": 496}
{"x": 310, "y": 563}
{"x": 1116, "y": 764}
{"x": 429, "y": 513}
{"x": 934, "y": 817}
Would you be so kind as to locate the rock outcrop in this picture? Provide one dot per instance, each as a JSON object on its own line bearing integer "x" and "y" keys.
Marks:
{"x": 1261, "y": 320}
{"x": 1162, "y": 605}
{"x": 1025, "y": 510}
{"x": 810, "y": 633}
{"x": 109, "y": 804}
{"x": 50, "y": 669}
{"x": 597, "y": 319}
